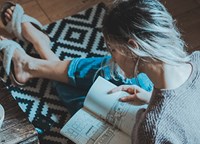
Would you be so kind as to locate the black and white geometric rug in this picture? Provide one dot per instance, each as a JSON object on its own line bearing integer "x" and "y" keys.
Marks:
{"x": 75, "y": 36}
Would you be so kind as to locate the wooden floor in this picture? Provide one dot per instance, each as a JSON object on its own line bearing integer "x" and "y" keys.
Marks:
{"x": 186, "y": 13}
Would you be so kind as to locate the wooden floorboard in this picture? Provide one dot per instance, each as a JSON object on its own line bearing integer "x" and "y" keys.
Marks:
{"x": 178, "y": 7}
{"x": 189, "y": 23}
{"x": 57, "y": 9}
{"x": 32, "y": 8}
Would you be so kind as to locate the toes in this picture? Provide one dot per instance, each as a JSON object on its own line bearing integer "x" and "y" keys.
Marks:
{"x": 8, "y": 13}
{"x": 12, "y": 8}
{"x": 8, "y": 16}
{"x": 7, "y": 20}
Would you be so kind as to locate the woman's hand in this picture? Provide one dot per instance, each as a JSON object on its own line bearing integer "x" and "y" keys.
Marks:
{"x": 137, "y": 94}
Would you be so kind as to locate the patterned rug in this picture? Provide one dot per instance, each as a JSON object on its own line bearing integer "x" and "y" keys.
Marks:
{"x": 75, "y": 36}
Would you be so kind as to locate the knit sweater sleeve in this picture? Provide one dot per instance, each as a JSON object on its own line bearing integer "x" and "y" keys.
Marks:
{"x": 145, "y": 129}
{"x": 158, "y": 123}
{"x": 172, "y": 116}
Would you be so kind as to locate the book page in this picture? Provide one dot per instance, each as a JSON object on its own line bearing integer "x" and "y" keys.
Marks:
{"x": 107, "y": 106}
{"x": 85, "y": 128}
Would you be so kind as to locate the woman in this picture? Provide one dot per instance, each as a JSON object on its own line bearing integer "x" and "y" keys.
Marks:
{"x": 142, "y": 38}
{"x": 73, "y": 78}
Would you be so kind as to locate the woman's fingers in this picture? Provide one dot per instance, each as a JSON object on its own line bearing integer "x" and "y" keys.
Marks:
{"x": 128, "y": 98}
{"x": 119, "y": 88}
{"x": 142, "y": 97}
{"x": 131, "y": 90}
{"x": 135, "y": 93}
{"x": 127, "y": 88}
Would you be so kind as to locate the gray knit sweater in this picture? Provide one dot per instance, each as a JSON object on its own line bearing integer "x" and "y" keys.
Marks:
{"x": 173, "y": 116}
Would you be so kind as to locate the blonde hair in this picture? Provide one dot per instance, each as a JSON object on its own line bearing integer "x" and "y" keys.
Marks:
{"x": 150, "y": 25}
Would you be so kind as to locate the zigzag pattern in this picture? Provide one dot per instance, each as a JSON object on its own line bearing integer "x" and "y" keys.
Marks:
{"x": 75, "y": 36}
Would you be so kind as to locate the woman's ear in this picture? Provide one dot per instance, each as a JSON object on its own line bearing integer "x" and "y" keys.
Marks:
{"x": 133, "y": 43}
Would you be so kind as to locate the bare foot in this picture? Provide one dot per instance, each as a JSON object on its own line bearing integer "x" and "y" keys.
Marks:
{"x": 21, "y": 69}
{"x": 40, "y": 41}
{"x": 29, "y": 32}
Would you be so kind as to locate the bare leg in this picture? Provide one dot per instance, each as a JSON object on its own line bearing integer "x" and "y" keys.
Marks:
{"x": 40, "y": 41}
{"x": 27, "y": 67}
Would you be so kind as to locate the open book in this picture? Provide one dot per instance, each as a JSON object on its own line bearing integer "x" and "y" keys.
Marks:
{"x": 103, "y": 119}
